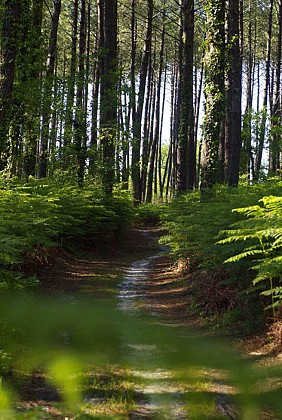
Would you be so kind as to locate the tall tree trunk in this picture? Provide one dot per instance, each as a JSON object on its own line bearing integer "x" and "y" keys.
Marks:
{"x": 80, "y": 121}
{"x": 108, "y": 108}
{"x": 161, "y": 184}
{"x": 32, "y": 123}
{"x": 48, "y": 86}
{"x": 233, "y": 115}
{"x": 136, "y": 142}
{"x": 275, "y": 148}
{"x": 98, "y": 69}
{"x": 152, "y": 147}
{"x": 68, "y": 131}
{"x": 261, "y": 141}
{"x": 147, "y": 124}
{"x": 133, "y": 65}
{"x": 53, "y": 127}
{"x": 214, "y": 62}
{"x": 197, "y": 119}
{"x": 21, "y": 98}
{"x": 246, "y": 152}
{"x": 10, "y": 31}
{"x": 186, "y": 158}
{"x": 156, "y": 140}
{"x": 173, "y": 124}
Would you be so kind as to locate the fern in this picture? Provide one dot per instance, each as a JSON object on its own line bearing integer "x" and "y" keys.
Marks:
{"x": 44, "y": 213}
{"x": 262, "y": 227}
{"x": 194, "y": 226}
{"x": 247, "y": 253}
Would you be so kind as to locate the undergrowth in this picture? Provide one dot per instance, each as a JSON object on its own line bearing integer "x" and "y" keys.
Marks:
{"x": 40, "y": 214}
{"x": 149, "y": 214}
{"x": 233, "y": 245}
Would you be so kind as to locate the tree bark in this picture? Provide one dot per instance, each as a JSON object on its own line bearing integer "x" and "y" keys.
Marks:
{"x": 261, "y": 139}
{"x": 214, "y": 64}
{"x": 10, "y": 31}
{"x": 69, "y": 120}
{"x": 34, "y": 79}
{"x": 153, "y": 163}
{"x": 48, "y": 85}
{"x": 80, "y": 118}
{"x": 246, "y": 152}
{"x": 274, "y": 147}
{"x": 233, "y": 96}
{"x": 186, "y": 158}
{"x": 136, "y": 142}
{"x": 108, "y": 108}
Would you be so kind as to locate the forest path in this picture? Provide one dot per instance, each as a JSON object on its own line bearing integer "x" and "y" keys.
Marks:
{"x": 140, "y": 276}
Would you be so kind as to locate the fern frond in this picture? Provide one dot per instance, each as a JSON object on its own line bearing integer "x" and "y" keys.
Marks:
{"x": 251, "y": 211}
{"x": 249, "y": 253}
{"x": 276, "y": 292}
{"x": 271, "y": 268}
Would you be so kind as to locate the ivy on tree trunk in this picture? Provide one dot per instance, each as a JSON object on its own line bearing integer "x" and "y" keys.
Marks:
{"x": 214, "y": 64}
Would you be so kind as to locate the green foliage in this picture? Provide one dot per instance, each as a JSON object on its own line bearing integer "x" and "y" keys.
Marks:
{"x": 194, "y": 225}
{"x": 261, "y": 233}
{"x": 42, "y": 213}
{"x": 251, "y": 237}
{"x": 149, "y": 214}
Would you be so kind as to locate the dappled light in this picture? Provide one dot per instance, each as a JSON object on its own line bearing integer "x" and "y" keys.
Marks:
{"x": 140, "y": 209}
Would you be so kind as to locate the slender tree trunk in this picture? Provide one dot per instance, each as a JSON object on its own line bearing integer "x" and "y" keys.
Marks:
{"x": 21, "y": 98}
{"x": 156, "y": 140}
{"x": 233, "y": 115}
{"x": 274, "y": 152}
{"x": 186, "y": 158}
{"x": 265, "y": 96}
{"x": 161, "y": 184}
{"x": 48, "y": 85}
{"x": 68, "y": 131}
{"x": 197, "y": 119}
{"x": 214, "y": 62}
{"x": 79, "y": 121}
{"x": 152, "y": 149}
{"x": 150, "y": 135}
{"x": 31, "y": 119}
{"x": 149, "y": 105}
{"x": 246, "y": 152}
{"x": 173, "y": 96}
{"x": 175, "y": 122}
{"x": 132, "y": 67}
{"x": 136, "y": 142}
{"x": 108, "y": 108}
{"x": 95, "y": 101}
{"x": 10, "y": 31}
{"x": 54, "y": 126}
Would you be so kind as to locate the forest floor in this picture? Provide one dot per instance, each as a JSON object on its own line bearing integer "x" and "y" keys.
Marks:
{"x": 165, "y": 296}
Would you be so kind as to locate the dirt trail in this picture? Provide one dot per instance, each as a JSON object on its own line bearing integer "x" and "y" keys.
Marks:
{"x": 162, "y": 293}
